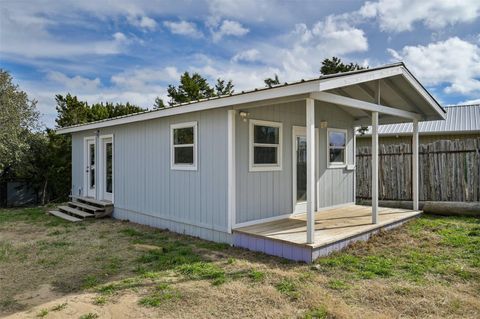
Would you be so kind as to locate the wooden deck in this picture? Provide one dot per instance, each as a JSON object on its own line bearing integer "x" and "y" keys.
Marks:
{"x": 334, "y": 230}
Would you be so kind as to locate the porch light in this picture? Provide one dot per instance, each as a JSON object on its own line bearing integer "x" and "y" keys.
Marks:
{"x": 244, "y": 115}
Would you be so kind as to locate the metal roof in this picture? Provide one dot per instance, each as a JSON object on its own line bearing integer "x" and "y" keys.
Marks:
{"x": 186, "y": 107}
{"x": 460, "y": 118}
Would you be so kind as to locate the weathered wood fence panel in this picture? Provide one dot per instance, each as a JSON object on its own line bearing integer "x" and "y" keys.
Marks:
{"x": 449, "y": 171}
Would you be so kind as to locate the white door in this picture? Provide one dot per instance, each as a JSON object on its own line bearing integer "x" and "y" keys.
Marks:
{"x": 90, "y": 168}
{"x": 107, "y": 169}
{"x": 299, "y": 170}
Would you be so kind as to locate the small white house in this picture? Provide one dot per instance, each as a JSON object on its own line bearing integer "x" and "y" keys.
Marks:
{"x": 270, "y": 169}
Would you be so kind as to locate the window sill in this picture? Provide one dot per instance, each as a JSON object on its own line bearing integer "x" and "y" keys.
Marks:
{"x": 337, "y": 166}
{"x": 265, "y": 169}
{"x": 183, "y": 168}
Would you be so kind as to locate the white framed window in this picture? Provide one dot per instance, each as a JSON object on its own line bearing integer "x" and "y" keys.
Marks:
{"x": 183, "y": 146}
{"x": 265, "y": 141}
{"x": 336, "y": 147}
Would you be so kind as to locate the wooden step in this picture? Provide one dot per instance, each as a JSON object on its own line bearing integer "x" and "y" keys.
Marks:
{"x": 91, "y": 201}
{"x": 86, "y": 206}
{"x": 76, "y": 212}
{"x": 64, "y": 216}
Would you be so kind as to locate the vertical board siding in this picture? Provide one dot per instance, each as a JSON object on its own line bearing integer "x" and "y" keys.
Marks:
{"x": 449, "y": 170}
{"x": 269, "y": 194}
{"x": 193, "y": 202}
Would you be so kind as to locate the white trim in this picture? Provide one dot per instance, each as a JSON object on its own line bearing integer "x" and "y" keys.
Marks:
{"x": 261, "y": 221}
{"x": 231, "y": 169}
{"x": 358, "y": 104}
{"x": 415, "y": 165}
{"x": 311, "y": 150}
{"x": 421, "y": 90}
{"x": 265, "y": 167}
{"x": 101, "y": 171}
{"x": 345, "y": 155}
{"x": 184, "y": 167}
{"x": 86, "y": 161}
{"x": 356, "y": 78}
{"x": 375, "y": 167}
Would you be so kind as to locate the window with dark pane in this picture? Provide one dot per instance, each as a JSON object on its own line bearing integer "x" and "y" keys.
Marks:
{"x": 109, "y": 168}
{"x": 183, "y": 145}
{"x": 265, "y": 155}
{"x": 266, "y": 134}
{"x": 183, "y": 136}
{"x": 184, "y": 155}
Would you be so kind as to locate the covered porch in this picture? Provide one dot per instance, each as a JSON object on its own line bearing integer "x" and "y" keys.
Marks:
{"x": 334, "y": 229}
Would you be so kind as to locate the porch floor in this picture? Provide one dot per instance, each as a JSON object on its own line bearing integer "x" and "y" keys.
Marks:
{"x": 334, "y": 228}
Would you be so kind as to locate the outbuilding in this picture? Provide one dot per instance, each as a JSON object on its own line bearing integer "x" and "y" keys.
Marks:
{"x": 271, "y": 170}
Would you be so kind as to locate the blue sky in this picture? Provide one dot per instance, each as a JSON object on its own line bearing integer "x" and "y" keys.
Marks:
{"x": 123, "y": 50}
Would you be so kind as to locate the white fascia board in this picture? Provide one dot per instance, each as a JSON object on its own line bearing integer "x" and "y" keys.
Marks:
{"x": 358, "y": 104}
{"x": 249, "y": 97}
{"x": 341, "y": 81}
{"x": 425, "y": 95}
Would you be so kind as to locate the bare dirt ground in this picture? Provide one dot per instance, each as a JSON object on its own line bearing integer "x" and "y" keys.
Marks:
{"x": 430, "y": 268}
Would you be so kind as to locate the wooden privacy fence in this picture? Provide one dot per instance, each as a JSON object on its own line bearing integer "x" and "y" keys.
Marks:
{"x": 449, "y": 170}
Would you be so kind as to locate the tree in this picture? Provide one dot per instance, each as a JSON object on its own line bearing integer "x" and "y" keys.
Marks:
{"x": 223, "y": 89}
{"x": 194, "y": 87}
{"x": 18, "y": 116}
{"x": 269, "y": 82}
{"x": 335, "y": 65}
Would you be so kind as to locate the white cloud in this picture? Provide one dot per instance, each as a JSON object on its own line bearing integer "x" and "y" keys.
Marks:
{"x": 228, "y": 28}
{"x": 77, "y": 83}
{"x": 143, "y": 22}
{"x": 144, "y": 79}
{"x": 401, "y": 15}
{"x": 248, "y": 56}
{"x": 454, "y": 62}
{"x": 183, "y": 28}
{"x": 469, "y": 102}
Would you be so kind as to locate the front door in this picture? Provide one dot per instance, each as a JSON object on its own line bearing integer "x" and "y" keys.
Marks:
{"x": 299, "y": 170}
{"x": 90, "y": 168}
{"x": 107, "y": 169}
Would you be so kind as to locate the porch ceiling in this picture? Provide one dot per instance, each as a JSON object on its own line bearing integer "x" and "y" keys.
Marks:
{"x": 395, "y": 91}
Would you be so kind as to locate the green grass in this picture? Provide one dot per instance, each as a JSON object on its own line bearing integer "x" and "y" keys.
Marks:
{"x": 171, "y": 256}
{"x": 6, "y": 249}
{"x": 318, "y": 313}
{"x": 42, "y": 313}
{"x": 131, "y": 232}
{"x": 256, "y": 275}
{"x": 112, "y": 288}
{"x": 100, "y": 300}
{"x": 59, "y": 307}
{"x": 444, "y": 247}
{"x": 163, "y": 293}
{"x": 287, "y": 287}
{"x": 203, "y": 270}
{"x": 90, "y": 281}
{"x": 337, "y": 284}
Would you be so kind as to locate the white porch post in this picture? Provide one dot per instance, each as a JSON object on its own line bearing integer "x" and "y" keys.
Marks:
{"x": 415, "y": 165}
{"x": 374, "y": 167}
{"x": 310, "y": 121}
{"x": 231, "y": 170}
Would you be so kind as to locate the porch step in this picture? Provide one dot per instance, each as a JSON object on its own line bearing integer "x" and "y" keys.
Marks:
{"x": 91, "y": 201}
{"x": 76, "y": 212}
{"x": 87, "y": 207}
{"x": 64, "y": 216}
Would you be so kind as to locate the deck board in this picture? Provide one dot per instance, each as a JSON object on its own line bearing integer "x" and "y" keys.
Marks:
{"x": 331, "y": 225}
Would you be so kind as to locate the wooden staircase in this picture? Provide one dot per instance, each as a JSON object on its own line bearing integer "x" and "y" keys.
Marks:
{"x": 81, "y": 208}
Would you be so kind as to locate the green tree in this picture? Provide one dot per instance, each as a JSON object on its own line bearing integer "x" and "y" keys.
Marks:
{"x": 18, "y": 117}
{"x": 335, "y": 65}
{"x": 271, "y": 82}
{"x": 224, "y": 88}
{"x": 194, "y": 87}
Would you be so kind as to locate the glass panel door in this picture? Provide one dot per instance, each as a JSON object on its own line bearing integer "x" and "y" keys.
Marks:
{"x": 299, "y": 170}
{"x": 106, "y": 168}
{"x": 91, "y": 168}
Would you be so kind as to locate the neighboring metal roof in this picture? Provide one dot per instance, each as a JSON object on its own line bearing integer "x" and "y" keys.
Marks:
{"x": 460, "y": 118}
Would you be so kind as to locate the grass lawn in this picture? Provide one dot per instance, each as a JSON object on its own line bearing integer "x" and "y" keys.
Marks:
{"x": 113, "y": 269}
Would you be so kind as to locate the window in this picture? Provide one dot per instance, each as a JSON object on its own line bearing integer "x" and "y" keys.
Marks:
{"x": 184, "y": 146}
{"x": 265, "y": 146}
{"x": 337, "y": 141}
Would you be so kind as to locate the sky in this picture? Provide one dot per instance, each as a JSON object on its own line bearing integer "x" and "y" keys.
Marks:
{"x": 130, "y": 51}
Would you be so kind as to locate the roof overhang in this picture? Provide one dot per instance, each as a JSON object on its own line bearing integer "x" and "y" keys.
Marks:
{"x": 353, "y": 91}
